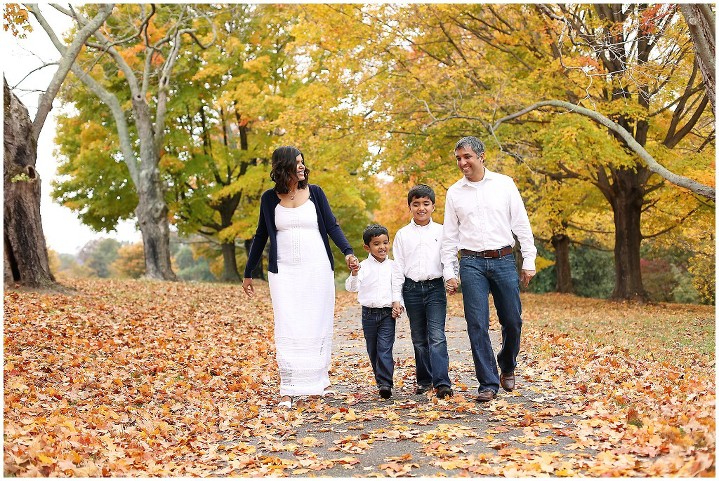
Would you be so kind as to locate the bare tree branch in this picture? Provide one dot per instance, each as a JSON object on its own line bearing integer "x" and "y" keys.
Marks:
{"x": 652, "y": 164}
{"x": 69, "y": 54}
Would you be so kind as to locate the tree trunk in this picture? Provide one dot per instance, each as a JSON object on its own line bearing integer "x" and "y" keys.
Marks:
{"x": 229, "y": 272}
{"x": 227, "y": 208}
{"x": 151, "y": 210}
{"x": 560, "y": 242}
{"x": 626, "y": 203}
{"x": 701, "y": 22}
{"x": 258, "y": 273}
{"x": 26, "y": 260}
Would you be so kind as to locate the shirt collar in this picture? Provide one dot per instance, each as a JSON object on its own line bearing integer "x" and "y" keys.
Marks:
{"x": 372, "y": 259}
{"x": 488, "y": 175}
{"x": 421, "y": 226}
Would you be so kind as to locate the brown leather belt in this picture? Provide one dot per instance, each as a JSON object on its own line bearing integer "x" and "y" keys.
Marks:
{"x": 489, "y": 254}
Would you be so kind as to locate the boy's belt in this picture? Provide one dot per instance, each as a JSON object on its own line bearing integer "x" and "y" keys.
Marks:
{"x": 488, "y": 254}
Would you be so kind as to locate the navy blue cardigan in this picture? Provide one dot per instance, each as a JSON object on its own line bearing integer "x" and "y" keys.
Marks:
{"x": 266, "y": 228}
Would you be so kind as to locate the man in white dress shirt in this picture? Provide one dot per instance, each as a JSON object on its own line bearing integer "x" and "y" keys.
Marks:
{"x": 483, "y": 212}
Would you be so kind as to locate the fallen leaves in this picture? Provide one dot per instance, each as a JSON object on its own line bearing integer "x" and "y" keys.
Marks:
{"x": 140, "y": 378}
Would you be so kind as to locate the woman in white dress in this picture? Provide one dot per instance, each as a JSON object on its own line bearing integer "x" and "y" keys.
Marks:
{"x": 297, "y": 219}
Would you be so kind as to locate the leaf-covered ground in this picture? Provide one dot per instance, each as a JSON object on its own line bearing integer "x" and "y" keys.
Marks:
{"x": 138, "y": 378}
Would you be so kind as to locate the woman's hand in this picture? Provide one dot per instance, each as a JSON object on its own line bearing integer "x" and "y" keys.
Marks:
{"x": 352, "y": 263}
{"x": 247, "y": 287}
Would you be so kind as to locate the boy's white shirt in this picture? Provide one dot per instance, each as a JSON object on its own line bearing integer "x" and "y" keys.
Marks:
{"x": 373, "y": 283}
{"x": 417, "y": 255}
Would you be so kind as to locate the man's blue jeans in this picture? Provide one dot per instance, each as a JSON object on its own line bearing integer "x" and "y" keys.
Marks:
{"x": 426, "y": 304}
{"x": 498, "y": 276}
{"x": 379, "y": 328}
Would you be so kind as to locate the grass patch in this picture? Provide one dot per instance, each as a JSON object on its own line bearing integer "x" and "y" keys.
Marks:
{"x": 655, "y": 331}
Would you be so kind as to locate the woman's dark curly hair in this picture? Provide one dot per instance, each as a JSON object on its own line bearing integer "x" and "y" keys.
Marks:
{"x": 284, "y": 168}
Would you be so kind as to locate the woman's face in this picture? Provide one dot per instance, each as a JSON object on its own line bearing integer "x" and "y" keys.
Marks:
{"x": 300, "y": 172}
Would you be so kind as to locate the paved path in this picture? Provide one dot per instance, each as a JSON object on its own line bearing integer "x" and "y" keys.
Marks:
{"x": 364, "y": 436}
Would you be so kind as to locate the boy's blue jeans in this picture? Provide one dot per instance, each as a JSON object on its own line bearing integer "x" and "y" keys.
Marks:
{"x": 426, "y": 304}
{"x": 498, "y": 276}
{"x": 379, "y": 329}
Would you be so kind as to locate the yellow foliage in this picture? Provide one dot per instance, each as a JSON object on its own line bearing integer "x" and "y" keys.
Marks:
{"x": 15, "y": 20}
{"x": 130, "y": 262}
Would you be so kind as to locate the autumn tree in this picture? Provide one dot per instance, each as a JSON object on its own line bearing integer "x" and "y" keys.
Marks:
{"x": 25, "y": 252}
{"x": 436, "y": 73}
{"x": 129, "y": 67}
{"x": 234, "y": 102}
{"x": 218, "y": 154}
{"x": 129, "y": 261}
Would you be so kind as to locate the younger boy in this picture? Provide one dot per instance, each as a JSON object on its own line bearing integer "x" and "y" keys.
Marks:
{"x": 372, "y": 280}
{"x": 417, "y": 277}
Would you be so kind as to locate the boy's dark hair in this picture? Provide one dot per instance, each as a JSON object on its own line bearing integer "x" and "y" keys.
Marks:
{"x": 373, "y": 230}
{"x": 419, "y": 191}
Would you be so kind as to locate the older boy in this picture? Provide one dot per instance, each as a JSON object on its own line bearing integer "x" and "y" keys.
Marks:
{"x": 417, "y": 277}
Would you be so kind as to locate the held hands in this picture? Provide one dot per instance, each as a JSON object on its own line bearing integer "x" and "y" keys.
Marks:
{"x": 451, "y": 286}
{"x": 352, "y": 264}
{"x": 247, "y": 287}
{"x": 397, "y": 309}
{"x": 525, "y": 277}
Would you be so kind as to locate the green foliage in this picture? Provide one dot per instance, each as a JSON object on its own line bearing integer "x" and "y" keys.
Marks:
{"x": 546, "y": 279}
{"x": 592, "y": 272}
{"x": 21, "y": 177}
{"x": 703, "y": 270}
{"x": 92, "y": 178}
{"x": 192, "y": 265}
{"x": 98, "y": 254}
{"x": 198, "y": 272}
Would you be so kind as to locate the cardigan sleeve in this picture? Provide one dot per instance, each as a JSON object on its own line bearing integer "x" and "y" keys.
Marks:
{"x": 259, "y": 241}
{"x": 332, "y": 226}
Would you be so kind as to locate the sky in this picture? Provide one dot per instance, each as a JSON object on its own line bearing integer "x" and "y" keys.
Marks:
{"x": 64, "y": 233}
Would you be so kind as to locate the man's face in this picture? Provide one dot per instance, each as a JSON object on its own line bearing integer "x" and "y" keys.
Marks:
{"x": 421, "y": 209}
{"x": 378, "y": 247}
{"x": 471, "y": 164}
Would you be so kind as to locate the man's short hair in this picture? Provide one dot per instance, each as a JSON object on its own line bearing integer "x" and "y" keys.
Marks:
{"x": 419, "y": 191}
{"x": 472, "y": 142}
{"x": 372, "y": 231}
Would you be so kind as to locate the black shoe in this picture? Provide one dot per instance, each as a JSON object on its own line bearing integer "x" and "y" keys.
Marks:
{"x": 444, "y": 391}
{"x": 422, "y": 389}
{"x": 385, "y": 392}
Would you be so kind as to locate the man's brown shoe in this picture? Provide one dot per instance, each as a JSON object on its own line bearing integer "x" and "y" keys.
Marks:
{"x": 507, "y": 380}
{"x": 485, "y": 396}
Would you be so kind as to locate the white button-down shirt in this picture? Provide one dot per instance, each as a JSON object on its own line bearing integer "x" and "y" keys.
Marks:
{"x": 416, "y": 255}
{"x": 373, "y": 283}
{"x": 483, "y": 215}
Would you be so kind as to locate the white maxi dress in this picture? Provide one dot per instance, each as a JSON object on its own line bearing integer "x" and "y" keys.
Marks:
{"x": 303, "y": 301}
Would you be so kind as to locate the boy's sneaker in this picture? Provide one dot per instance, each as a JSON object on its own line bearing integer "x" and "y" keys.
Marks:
{"x": 444, "y": 391}
{"x": 422, "y": 389}
{"x": 385, "y": 392}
